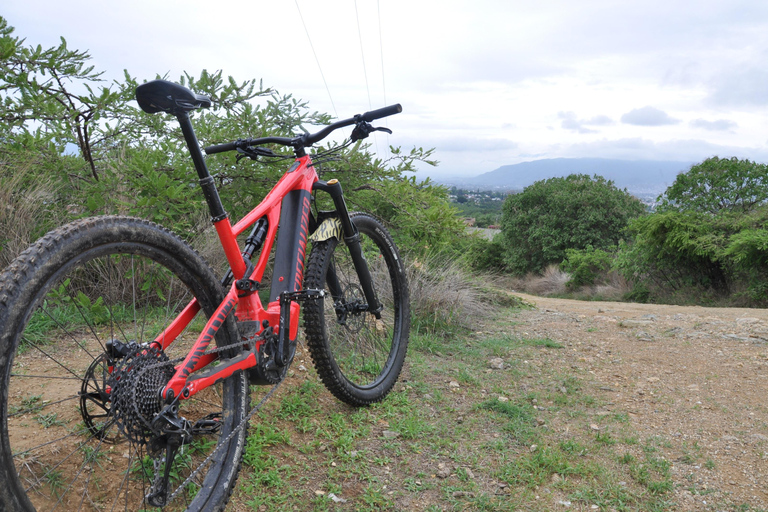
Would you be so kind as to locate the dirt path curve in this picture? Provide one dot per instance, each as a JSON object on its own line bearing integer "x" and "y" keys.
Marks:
{"x": 695, "y": 377}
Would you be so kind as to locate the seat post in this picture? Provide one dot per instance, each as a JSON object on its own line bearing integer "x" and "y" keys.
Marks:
{"x": 206, "y": 180}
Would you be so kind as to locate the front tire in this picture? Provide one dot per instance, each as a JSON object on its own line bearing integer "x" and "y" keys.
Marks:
{"x": 357, "y": 356}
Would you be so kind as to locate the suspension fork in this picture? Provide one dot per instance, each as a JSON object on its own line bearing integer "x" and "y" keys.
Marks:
{"x": 352, "y": 240}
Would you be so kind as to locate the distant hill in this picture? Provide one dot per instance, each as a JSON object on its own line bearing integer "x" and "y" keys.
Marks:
{"x": 637, "y": 176}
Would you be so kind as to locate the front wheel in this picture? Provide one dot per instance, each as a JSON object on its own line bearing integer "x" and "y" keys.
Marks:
{"x": 357, "y": 355}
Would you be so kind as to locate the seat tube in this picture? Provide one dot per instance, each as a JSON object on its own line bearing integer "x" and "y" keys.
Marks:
{"x": 219, "y": 217}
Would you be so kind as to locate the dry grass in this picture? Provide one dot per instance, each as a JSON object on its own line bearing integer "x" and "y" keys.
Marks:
{"x": 553, "y": 283}
{"x": 444, "y": 295}
{"x": 27, "y": 205}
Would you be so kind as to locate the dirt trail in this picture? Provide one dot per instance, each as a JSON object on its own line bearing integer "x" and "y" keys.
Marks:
{"x": 695, "y": 377}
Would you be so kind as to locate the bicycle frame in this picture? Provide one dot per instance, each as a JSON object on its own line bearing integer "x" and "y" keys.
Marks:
{"x": 287, "y": 205}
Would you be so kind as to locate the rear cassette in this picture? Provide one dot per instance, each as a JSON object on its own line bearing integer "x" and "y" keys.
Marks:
{"x": 135, "y": 390}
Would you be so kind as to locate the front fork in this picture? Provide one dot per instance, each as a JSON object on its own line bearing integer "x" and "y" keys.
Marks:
{"x": 352, "y": 240}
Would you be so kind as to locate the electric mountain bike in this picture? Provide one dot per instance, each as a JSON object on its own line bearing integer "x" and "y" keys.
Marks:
{"x": 126, "y": 363}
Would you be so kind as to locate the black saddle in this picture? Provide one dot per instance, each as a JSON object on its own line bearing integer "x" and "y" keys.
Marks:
{"x": 165, "y": 96}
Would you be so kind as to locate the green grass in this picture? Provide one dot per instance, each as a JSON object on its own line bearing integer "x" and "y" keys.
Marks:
{"x": 308, "y": 446}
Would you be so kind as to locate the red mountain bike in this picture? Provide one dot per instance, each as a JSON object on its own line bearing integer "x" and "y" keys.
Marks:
{"x": 126, "y": 362}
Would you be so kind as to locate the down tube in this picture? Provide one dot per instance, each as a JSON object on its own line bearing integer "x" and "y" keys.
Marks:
{"x": 291, "y": 244}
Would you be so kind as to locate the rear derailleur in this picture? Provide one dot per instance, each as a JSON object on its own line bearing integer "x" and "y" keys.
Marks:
{"x": 175, "y": 432}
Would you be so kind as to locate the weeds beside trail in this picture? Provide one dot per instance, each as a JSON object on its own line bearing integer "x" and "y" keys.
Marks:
{"x": 495, "y": 420}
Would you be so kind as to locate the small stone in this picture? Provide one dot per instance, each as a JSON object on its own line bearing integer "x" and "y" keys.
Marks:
{"x": 564, "y": 503}
{"x": 319, "y": 493}
{"x": 534, "y": 447}
{"x": 389, "y": 434}
{"x": 442, "y": 471}
{"x": 469, "y": 473}
{"x": 453, "y": 384}
{"x": 336, "y": 499}
{"x": 540, "y": 422}
{"x": 503, "y": 399}
{"x": 302, "y": 368}
{"x": 594, "y": 427}
{"x": 496, "y": 363}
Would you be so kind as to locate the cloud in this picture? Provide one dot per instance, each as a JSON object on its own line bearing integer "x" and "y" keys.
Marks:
{"x": 739, "y": 87}
{"x": 571, "y": 122}
{"x": 648, "y": 116}
{"x": 460, "y": 144}
{"x": 683, "y": 150}
{"x": 720, "y": 125}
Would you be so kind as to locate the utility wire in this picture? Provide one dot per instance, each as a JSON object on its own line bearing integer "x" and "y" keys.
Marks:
{"x": 383, "y": 75}
{"x": 362, "y": 55}
{"x": 381, "y": 53}
{"x": 365, "y": 72}
{"x": 319, "y": 67}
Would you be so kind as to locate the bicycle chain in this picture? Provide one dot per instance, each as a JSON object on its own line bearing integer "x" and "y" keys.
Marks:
{"x": 158, "y": 460}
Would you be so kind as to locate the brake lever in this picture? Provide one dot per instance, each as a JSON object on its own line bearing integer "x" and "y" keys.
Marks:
{"x": 363, "y": 129}
{"x": 254, "y": 153}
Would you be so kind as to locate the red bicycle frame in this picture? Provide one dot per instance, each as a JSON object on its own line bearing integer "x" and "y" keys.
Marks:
{"x": 288, "y": 203}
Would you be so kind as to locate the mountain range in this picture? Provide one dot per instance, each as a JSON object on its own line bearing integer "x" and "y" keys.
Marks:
{"x": 639, "y": 177}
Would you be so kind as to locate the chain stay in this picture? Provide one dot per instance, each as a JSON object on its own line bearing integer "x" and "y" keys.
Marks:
{"x": 156, "y": 488}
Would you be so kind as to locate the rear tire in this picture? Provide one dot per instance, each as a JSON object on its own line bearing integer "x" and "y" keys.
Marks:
{"x": 357, "y": 356}
{"x": 60, "y": 301}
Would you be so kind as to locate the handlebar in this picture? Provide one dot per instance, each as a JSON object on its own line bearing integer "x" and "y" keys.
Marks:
{"x": 306, "y": 139}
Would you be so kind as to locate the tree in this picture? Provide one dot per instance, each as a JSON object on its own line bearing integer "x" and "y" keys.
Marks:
{"x": 129, "y": 162}
{"x": 716, "y": 185}
{"x": 553, "y": 215}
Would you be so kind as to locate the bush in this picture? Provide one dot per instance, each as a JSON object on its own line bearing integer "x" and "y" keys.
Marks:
{"x": 718, "y": 185}
{"x": 553, "y": 215}
{"x": 587, "y": 267}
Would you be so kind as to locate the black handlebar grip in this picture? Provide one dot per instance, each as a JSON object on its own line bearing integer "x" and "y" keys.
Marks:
{"x": 221, "y": 148}
{"x": 382, "y": 112}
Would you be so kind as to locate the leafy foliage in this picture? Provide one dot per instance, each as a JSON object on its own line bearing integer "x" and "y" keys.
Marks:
{"x": 586, "y": 265}
{"x": 553, "y": 215}
{"x": 98, "y": 154}
{"x": 694, "y": 256}
{"x": 718, "y": 185}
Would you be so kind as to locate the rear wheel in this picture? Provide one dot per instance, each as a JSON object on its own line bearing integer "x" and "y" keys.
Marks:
{"x": 357, "y": 355}
{"x": 90, "y": 284}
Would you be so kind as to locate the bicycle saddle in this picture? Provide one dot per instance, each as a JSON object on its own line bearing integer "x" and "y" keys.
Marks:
{"x": 164, "y": 96}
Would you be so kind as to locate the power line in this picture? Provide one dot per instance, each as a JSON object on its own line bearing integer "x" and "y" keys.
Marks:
{"x": 383, "y": 75}
{"x": 381, "y": 52}
{"x": 319, "y": 67}
{"x": 362, "y": 55}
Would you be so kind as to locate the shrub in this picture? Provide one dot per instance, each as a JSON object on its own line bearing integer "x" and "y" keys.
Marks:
{"x": 553, "y": 215}
{"x": 586, "y": 266}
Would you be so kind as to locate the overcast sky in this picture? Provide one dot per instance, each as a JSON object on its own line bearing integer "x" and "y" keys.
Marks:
{"x": 486, "y": 82}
